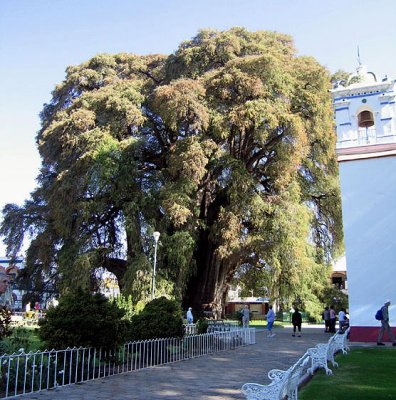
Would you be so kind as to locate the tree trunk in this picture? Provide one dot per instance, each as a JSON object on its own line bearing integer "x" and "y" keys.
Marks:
{"x": 207, "y": 290}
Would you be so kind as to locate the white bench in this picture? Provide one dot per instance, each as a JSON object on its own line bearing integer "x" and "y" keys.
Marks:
{"x": 284, "y": 383}
{"x": 341, "y": 341}
{"x": 324, "y": 352}
{"x": 190, "y": 329}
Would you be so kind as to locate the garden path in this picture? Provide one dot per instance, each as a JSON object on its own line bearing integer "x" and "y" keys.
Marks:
{"x": 218, "y": 376}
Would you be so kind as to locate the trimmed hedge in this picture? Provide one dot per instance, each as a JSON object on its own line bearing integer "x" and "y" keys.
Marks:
{"x": 83, "y": 319}
{"x": 161, "y": 318}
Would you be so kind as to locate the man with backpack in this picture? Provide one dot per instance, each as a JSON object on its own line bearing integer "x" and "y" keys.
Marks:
{"x": 385, "y": 325}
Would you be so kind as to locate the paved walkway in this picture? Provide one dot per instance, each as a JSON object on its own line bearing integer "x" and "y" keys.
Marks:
{"x": 218, "y": 376}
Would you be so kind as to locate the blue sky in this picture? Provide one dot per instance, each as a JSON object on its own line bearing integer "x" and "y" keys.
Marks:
{"x": 40, "y": 38}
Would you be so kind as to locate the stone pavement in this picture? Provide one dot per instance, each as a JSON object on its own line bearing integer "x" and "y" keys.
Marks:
{"x": 217, "y": 376}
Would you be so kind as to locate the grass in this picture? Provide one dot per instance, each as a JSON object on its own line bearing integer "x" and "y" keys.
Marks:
{"x": 261, "y": 323}
{"x": 366, "y": 373}
{"x": 22, "y": 337}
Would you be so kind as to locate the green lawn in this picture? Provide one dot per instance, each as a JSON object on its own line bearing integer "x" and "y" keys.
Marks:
{"x": 22, "y": 337}
{"x": 366, "y": 373}
{"x": 261, "y": 323}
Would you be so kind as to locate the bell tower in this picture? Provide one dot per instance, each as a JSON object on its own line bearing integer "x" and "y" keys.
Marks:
{"x": 365, "y": 111}
{"x": 365, "y": 116}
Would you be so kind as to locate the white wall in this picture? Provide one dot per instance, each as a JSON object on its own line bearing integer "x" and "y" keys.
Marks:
{"x": 368, "y": 190}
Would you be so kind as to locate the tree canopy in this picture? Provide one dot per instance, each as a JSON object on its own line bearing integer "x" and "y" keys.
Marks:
{"x": 226, "y": 147}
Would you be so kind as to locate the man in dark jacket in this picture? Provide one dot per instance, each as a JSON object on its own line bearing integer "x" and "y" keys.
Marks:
{"x": 385, "y": 325}
{"x": 296, "y": 321}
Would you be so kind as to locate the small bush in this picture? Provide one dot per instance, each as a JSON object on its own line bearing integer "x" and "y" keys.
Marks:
{"x": 202, "y": 326}
{"x": 161, "y": 318}
{"x": 237, "y": 316}
{"x": 83, "y": 319}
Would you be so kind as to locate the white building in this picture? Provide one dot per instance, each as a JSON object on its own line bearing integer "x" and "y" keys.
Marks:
{"x": 365, "y": 114}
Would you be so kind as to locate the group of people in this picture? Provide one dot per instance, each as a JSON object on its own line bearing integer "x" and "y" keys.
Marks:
{"x": 330, "y": 319}
{"x": 329, "y": 316}
{"x": 270, "y": 319}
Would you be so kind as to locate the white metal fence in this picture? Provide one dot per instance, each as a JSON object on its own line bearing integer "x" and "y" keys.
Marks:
{"x": 22, "y": 373}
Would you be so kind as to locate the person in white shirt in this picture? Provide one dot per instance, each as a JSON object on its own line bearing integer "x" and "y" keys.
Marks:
{"x": 341, "y": 319}
{"x": 270, "y": 321}
{"x": 190, "y": 317}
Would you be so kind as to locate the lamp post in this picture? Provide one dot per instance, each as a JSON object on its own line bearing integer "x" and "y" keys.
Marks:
{"x": 156, "y": 236}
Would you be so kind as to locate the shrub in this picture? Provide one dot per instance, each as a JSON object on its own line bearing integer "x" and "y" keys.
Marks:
{"x": 126, "y": 304}
{"x": 160, "y": 318}
{"x": 83, "y": 319}
{"x": 237, "y": 316}
{"x": 21, "y": 338}
{"x": 202, "y": 326}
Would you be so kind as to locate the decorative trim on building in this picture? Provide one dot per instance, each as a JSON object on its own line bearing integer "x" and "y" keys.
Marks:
{"x": 364, "y": 152}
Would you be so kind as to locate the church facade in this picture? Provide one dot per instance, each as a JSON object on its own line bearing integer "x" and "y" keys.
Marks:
{"x": 365, "y": 115}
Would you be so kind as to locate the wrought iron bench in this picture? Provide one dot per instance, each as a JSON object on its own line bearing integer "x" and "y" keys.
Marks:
{"x": 218, "y": 326}
{"x": 321, "y": 354}
{"x": 190, "y": 329}
{"x": 284, "y": 383}
{"x": 341, "y": 341}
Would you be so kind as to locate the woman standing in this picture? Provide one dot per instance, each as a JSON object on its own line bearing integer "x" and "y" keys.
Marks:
{"x": 270, "y": 321}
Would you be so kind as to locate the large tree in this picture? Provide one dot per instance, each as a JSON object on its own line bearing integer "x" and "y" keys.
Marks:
{"x": 226, "y": 147}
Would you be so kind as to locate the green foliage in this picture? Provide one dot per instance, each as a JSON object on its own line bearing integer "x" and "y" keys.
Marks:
{"x": 161, "y": 318}
{"x": 340, "y": 77}
{"x": 336, "y": 297}
{"x": 202, "y": 326}
{"x": 83, "y": 319}
{"x": 237, "y": 316}
{"x": 125, "y": 303}
{"x": 226, "y": 147}
{"x": 22, "y": 338}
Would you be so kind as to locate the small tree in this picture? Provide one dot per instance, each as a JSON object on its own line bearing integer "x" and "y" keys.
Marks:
{"x": 160, "y": 318}
{"x": 83, "y": 319}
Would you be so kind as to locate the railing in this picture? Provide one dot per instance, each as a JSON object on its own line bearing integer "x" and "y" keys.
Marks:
{"x": 22, "y": 373}
{"x": 364, "y": 137}
{"x": 190, "y": 329}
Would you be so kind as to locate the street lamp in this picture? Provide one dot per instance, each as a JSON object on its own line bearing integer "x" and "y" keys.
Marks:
{"x": 156, "y": 236}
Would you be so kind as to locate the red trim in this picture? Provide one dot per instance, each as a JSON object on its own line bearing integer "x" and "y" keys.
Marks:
{"x": 367, "y": 334}
{"x": 373, "y": 148}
